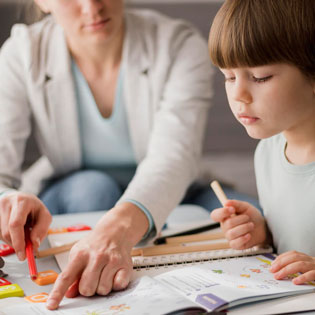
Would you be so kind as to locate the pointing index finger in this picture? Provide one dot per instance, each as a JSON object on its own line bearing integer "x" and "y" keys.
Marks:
{"x": 63, "y": 282}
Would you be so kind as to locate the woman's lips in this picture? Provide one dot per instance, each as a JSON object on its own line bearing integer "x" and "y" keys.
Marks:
{"x": 247, "y": 120}
{"x": 96, "y": 25}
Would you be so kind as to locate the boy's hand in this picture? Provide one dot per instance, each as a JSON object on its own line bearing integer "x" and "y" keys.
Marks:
{"x": 291, "y": 263}
{"x": 242, "y": 224}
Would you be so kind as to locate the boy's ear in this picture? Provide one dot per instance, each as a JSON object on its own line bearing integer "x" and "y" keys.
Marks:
{"x": 43, "y": 5}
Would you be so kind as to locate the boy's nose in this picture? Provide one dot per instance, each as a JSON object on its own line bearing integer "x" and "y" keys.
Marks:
{"x": 241, "y": 93}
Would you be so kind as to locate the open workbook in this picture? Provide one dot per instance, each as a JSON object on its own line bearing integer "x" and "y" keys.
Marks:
{"x": 209, "y": 280}
{"x": 207, "y": 286}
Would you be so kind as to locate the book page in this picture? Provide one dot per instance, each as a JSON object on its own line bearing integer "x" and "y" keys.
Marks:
{"x": 219, "y": 284}
{"x": 284, "y": 305}
{"x": 143, "y": 297}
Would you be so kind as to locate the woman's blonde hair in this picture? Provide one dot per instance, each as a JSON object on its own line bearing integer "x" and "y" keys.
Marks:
{"x": 259, "y": 32}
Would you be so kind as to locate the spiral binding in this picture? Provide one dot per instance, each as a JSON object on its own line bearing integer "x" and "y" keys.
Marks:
{"x": 164, "y": 261}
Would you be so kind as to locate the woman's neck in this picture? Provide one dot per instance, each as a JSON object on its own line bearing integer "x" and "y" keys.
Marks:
{"x": 94, "y": 59}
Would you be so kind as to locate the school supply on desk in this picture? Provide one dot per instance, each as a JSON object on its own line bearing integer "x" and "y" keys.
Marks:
{"x": 11, "y": 290}
{"x": 212, "y": 286}
{"x": 7, "y": 289}
{"x": 194, "y": 238}
{"x": 4, "y": 282}
{"x": 6, "y": 249}
{"x": 30, "y": 255}
{"x": 72, "y": 228}
{"x": 46, "y": 277}
{"x": 170, "y": 249}
{"x": 55, "y": 250}
{"x": 216, "y": 187}
{"x": 208, "y": 227}
{"x": 2, "y": 274}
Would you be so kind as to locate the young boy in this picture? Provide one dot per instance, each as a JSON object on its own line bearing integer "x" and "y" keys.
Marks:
{"x": 266, "y": 51}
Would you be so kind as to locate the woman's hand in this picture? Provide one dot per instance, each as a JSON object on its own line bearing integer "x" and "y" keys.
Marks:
{"x": 101, "y": 262}
{"x": 242, "y": 224}
{"x": 17, "y": 209}
{"x": 294, "y": 264}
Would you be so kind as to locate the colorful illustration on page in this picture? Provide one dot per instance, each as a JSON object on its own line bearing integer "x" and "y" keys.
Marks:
{"x": 113, "y": 310}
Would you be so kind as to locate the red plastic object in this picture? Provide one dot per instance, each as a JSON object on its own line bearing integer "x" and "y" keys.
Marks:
{"x": 6, "y": 249}
{"x": 78, "y": 227}
{"x": 4, "y": 282}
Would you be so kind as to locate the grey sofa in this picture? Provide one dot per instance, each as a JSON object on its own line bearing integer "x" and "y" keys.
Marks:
{"x": 228, "y": 151}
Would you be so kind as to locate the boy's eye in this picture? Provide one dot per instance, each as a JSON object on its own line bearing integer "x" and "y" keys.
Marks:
{"x": 262, "y": 80}
{"x": 229, "y": 79}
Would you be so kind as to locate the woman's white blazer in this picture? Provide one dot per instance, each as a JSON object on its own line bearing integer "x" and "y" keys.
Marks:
{"x": 167, "y": 87}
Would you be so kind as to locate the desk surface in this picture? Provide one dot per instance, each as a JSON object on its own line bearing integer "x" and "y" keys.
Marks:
{"x": 18, "y": 271}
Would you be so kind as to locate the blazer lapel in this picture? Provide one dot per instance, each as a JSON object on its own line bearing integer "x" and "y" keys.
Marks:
{"x": 61, "y": 106}
{"x": 136, "y": 86}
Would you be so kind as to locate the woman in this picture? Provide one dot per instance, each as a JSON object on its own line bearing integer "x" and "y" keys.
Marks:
{"x": 101, "y": 89}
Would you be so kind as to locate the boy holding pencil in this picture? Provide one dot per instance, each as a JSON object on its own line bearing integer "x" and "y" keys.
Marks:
{"x": 266, "y": 51}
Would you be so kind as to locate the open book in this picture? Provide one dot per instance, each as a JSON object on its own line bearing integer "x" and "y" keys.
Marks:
{"x": 208, "y": 286}
{"x": 220, "y": 284}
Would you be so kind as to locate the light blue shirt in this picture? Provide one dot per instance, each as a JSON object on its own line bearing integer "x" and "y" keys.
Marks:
{"x": 286, "y": 194}
{"x": 105, "y": 142}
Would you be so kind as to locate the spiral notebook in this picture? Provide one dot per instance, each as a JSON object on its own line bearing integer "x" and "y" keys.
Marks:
{"x": 182, "y": 218}
{"x": 156, "y": 264}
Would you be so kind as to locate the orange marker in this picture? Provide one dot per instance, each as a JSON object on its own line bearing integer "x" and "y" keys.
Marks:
{"x": 30, "y": 255}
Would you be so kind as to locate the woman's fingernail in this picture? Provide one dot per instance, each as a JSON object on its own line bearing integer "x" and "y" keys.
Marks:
{"x": 20, "y": 255}
{"x": 37, "y": 241}
{"x": 50, "y": 303}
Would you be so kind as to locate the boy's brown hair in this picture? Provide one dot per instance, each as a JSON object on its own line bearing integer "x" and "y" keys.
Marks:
{"x": 249, "y": 33}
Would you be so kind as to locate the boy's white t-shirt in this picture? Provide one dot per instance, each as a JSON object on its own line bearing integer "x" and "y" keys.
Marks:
{"x": 287, "y": 196}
